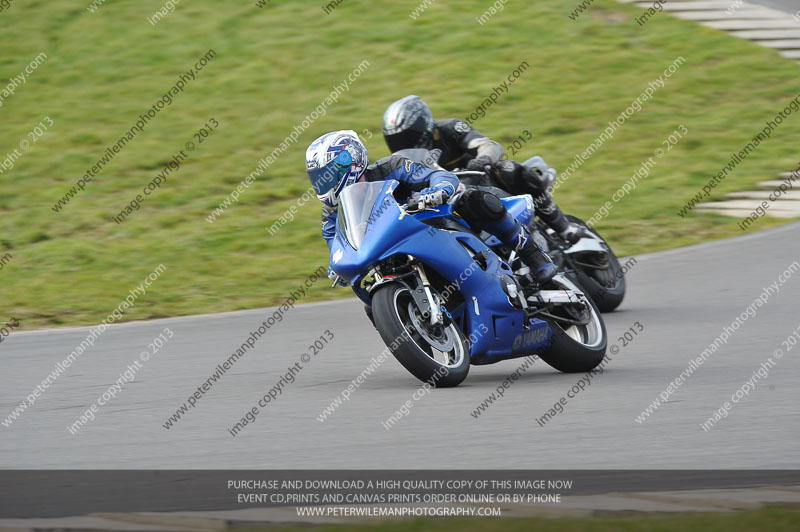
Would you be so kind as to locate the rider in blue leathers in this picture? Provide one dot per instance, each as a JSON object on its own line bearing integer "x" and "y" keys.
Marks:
{"x": 338, "y": 159}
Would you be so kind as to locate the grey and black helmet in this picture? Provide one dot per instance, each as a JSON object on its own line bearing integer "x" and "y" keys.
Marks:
{"x": 408, "y": 123}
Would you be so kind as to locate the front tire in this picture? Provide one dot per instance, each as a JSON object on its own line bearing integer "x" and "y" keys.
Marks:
{"x": 605, "y": 286}
{"x": 438, "y": 357}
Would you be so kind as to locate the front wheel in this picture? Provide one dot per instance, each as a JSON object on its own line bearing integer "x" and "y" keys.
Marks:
{"x": 579, "y": 336}
{"x": 603, "y": 279}
{"x": 435, "y": 355}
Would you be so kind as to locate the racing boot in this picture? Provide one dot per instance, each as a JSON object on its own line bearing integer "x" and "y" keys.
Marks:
{"x": 542, "y": 267}
{"x": 554, "y": 217}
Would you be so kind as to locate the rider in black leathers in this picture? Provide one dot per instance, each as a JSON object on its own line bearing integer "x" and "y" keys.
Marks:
{"x": 409, "y": 123}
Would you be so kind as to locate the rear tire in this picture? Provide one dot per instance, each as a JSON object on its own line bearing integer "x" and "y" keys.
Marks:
{"x": 393, "y": 308}
{"x": 576, "y": 349}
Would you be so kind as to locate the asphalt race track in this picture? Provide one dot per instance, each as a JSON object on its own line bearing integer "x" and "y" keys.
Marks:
{"x": 790, "y": 6}
{"x": 682, "y": 299}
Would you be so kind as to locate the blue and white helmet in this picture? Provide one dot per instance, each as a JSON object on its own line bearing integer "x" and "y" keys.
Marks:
{"x": 334, "y": 161}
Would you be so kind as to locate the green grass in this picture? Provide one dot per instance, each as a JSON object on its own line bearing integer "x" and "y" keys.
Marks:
{"x": 772, "y": 519}
{"x": 273, "y": 67}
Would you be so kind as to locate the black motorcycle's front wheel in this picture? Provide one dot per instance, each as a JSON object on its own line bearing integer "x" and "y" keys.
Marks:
{"x": 602, "y": 278}
{"x": 437, "y": 355}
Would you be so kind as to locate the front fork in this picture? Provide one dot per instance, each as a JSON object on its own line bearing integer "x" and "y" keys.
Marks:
{"x": 423, "y": 296}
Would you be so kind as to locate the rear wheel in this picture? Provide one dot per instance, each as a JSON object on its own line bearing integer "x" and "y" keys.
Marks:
{"x": 436, "y": 355}
{"x": 602, "y": 277}
{"x": 579, "y": 336}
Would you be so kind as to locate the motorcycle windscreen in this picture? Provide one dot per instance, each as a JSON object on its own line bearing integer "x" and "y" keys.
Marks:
{"x": 355, "y": 209}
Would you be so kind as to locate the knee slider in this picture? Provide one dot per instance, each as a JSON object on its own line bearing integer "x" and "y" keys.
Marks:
{"x": 493, "y": 208}
{"x": 481, "y": 205}
{"x": 521, "y": 179}
{"x": 533, "y": 179}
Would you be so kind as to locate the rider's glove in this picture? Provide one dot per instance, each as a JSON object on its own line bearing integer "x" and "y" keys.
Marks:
{"x": 479, "y": 164}
{"x": 435, "y": 195}
{"x": 573, "y": 233}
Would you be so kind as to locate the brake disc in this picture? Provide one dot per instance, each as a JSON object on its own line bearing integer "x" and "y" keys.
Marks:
{"x": 442, "y": 341}
{"x": 581, "y": 312}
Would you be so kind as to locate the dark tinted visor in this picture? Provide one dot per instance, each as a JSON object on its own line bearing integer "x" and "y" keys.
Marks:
{"x": 401, "y": 141}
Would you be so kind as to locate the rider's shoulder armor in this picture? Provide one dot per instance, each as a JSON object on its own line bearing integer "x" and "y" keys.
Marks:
{"x": 382, "y": 168}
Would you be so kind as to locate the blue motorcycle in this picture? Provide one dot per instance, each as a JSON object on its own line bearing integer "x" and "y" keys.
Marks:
{"x": 590, "y": 262}
{"x": 443, "y": 296}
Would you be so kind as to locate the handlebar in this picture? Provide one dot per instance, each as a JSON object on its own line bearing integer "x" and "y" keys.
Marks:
{"x": 468, "y": 173}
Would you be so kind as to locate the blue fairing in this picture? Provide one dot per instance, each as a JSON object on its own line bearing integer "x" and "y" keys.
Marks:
{"x": 486, "y": 308}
